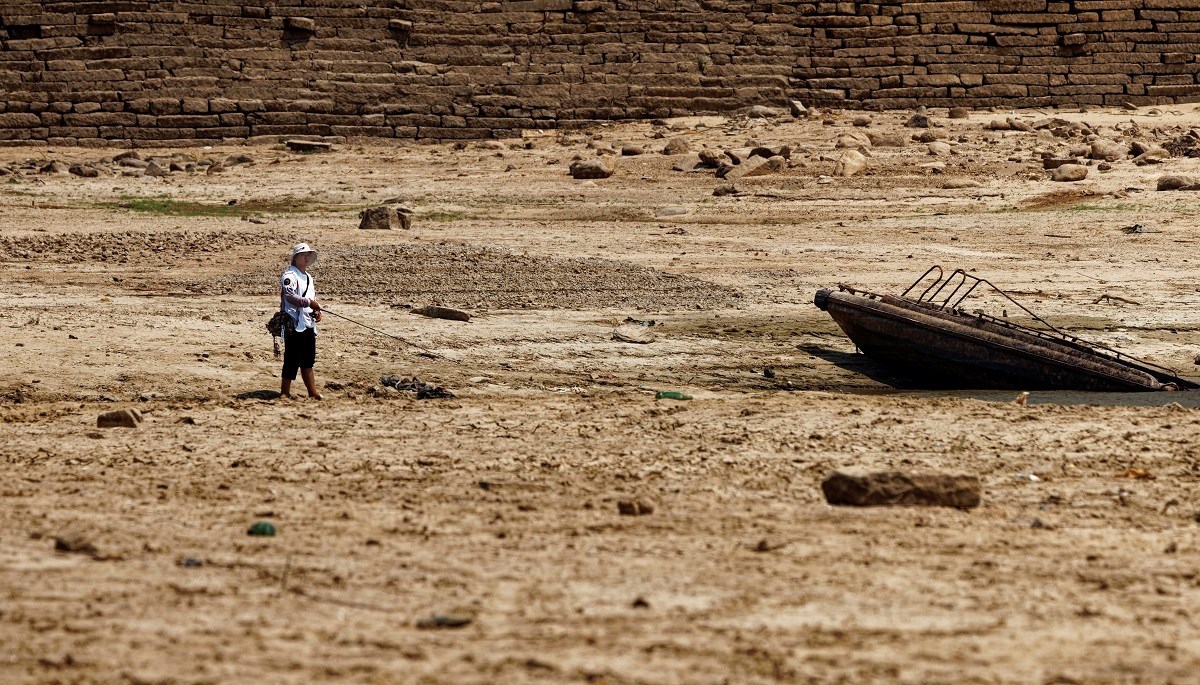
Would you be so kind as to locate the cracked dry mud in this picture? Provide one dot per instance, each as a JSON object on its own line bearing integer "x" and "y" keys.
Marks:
{"x": 501, "y": 506}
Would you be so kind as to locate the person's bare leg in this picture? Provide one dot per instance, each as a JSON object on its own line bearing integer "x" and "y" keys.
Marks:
{"x": 285, "y": 388}
{"x": 310, "y": 382}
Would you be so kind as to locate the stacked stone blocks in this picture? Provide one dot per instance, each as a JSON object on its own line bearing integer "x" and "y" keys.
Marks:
{"x": 168, "y": 73}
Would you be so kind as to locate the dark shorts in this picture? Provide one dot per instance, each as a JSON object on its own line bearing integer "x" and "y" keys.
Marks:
{"x": 299, "y": 352}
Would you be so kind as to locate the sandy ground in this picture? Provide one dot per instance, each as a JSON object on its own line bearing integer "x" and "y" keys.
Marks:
{"x": 500, "y": 506}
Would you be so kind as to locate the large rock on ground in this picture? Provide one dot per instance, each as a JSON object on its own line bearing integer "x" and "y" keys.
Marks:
{"x": 1108, "y": 150}
{"x": 385, "y": 217}
{"x": 1069, "y": 173}
{"x": 852, "y": 162}
{"x": 677, "y": 146}
{"x": 1177, "y": 182}
{"x": 121, "y": 418}
{"x": 593, "y": 168}
{"x": 897, "y": 488}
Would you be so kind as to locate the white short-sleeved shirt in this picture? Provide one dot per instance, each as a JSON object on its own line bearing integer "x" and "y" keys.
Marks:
{"x": 296, "y": 284}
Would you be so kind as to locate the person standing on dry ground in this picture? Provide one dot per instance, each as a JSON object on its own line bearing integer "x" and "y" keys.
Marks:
{"x": 298, "y": 298}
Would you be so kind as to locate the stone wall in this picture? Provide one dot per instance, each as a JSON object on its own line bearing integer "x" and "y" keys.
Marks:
{"x": 169, "y": 72}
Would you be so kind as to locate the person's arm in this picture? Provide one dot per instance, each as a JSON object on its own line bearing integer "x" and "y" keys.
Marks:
{"x": 291, "y": 293}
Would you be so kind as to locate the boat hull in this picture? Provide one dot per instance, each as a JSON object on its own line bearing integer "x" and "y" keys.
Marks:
{"x": 957, "y": 350}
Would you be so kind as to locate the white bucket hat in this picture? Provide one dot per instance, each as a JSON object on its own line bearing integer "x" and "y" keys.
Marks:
{"x": 301, "y": 248}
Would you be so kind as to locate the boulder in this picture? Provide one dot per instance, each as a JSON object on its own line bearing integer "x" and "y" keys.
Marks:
{"x": 676, "y": 146}
{"x": 1055, "y": 162}
{"x": 84, "y": 171}
{"x": 853, "y": 140}
{"x": 763, "y": 112}
{"x": 939, "y": 149}
{"x": 851, "y": 162}
{"x": 931, "y": 134}
{"x": 712, "y": 158}
{"x": 959, "y": 113}
{"x": 918, "y": 121}
{"x": 887, "y": 139}
{"x": 121, "y": 418}
{"x": 633, "y": 333}
{"x": 593, "y": 168}
{"x": 1177, "y": 182}
{"x": 769, "y": 151}
{"x": 55, "y": 167}
{"x": 632, "y": 150}
{"x": 1108, "y": 150}
{"x": 1069, "y": 173}
{"x": 898, "y": 488}
{"x": 689, "y": 162}
{"x": 385, "y": 218}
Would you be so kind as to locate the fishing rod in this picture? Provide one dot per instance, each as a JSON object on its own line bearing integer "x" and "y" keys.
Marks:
{"x": 426, "y": 352}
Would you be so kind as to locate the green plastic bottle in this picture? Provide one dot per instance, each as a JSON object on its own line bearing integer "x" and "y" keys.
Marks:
{"x": 671, "y": 395}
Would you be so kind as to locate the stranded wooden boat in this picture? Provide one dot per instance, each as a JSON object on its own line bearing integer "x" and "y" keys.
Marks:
{"x": 929, "y": 336}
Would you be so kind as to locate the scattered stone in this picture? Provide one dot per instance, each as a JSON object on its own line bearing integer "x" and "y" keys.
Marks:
{"x": 83, "y": 171}
{"x": 55, "y": 167}
{"x": 214, "y": 169}
{"x": 862, "y": 122}
{"x": 887, "y": 139}
{"x": 153, "y": 169}
{"x": 128, "y": 154}
{"x": 689, "y": 162}
{"x": 133, "y": 162}
{"x": 769, "y": 151}
{"x": 676, "y": 146}
{"x": 592, "y": 169}
{"x": 898, "y": 488}
{"x": 763, "y": 112}
{"x": 959, "y": 113}
{"x": 1108, "y": 150}
{"x": 918, "y": 121}
{"x": 435, "y": 312}
{"x": 424, "y": 391}
{"x": 633, "y": 333}
{"x": 797, "y": 108}
{"x": 385, "y": 218}
{"x": 309, "y": 145}
{"x": 853, "y": 140}
{"x": 722, "y": 191}
{"x": 931, "y": 134}
{"x": 75, "y": 543}
{"x": 121, "y": 418}
{"x": 1069, "y": 173}
{"x": 1055, "y": 162}
{"x": 632, "y": 150}
{"x": 242, "y": 158}
{"x": 442, "y": 621}
{"x": 999, "y": 125}
{"x": 712, "y": 159}
{"x": 1019, "y": 125}
{"x": 958, "y": 183}
{"x": 851, "y": 162}
{"x": 1177, "y": 182}
{"x": 939, "y": 149}
{"x": 264, "y": 529}
{"x": 673, "y": 210}
{"x": 639, "y": 507}
{"x": 750, "y": 167}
